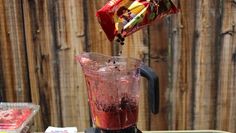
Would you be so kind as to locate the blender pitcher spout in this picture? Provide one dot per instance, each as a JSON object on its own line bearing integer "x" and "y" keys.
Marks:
{"x": 82, "y": 58}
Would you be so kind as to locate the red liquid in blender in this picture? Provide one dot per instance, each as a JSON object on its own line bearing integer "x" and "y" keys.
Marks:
{"x": 114, "y": 116}
{"x": 111, "y": 114}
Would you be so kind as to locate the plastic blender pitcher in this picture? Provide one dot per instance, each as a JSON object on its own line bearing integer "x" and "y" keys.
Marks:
{"x": 113, "y": 85}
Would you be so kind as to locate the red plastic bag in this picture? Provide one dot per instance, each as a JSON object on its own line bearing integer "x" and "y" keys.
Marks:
{"x": 123, "y": 17}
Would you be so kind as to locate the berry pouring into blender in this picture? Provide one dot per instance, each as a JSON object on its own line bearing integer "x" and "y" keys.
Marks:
{"x": 113, "y": 82}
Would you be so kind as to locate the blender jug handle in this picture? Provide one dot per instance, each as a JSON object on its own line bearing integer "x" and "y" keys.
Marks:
{"x": 153, "y": 87}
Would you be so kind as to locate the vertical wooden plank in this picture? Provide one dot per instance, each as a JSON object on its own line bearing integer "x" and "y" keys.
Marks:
{"x": 97, "y": 40}
{"x": 2, "y": 31}
{"x": 158, "y": 58}
{"x": 175, "y": 57}
{"x": 42, "y": 60}
{"x": 182, "y": 32}
{"x": 2, "y": 95}
{"x": 34, "y": 87}
{"x": 226, "y": 107}
{"x": 232, "y": 118}
{"x": 5, "y": 52}
{"x": 71, "y": 38}
{"x": 17, "y": 40}
{"x": 14, "y": 62}
{"x": 205, "y": 66}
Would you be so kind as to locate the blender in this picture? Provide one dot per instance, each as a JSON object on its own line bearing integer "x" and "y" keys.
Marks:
{"x": 113, "y": 85}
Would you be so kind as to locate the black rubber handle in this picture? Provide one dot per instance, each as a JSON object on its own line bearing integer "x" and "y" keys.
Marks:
{"x": 153, "y": 87}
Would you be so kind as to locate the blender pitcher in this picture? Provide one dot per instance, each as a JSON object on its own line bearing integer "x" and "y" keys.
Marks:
{"x": 113, "y": 89}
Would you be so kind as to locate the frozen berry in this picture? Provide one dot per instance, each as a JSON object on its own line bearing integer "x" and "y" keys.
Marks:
{"x": 119, "y": 35}
{"x": 118, "y": 40}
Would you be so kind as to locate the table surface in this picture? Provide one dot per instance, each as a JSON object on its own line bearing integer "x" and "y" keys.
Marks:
{"x": 185, "y": 131}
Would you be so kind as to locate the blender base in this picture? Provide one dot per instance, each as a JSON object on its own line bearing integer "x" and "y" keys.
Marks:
{"x": 133, "y": 129}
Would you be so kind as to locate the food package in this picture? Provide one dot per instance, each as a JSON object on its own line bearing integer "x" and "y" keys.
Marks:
{"x": 16, "y": 117}
{"x": 123, "y": 17}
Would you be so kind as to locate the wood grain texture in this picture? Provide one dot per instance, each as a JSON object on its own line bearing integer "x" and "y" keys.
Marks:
{"x": 12, "y": 44}
{"x": 182, "y": 33}
{"x": 227, "y": 76}
{"x": 2, "y": 95}
{"x": 42, "y": 60}
{"x": 158, "y": 35}
{"x": 96, "y": 38}
{"x": 6, "y": 64}
{"x": 205, "y": 66}
{"x": 232, "y": 118}
{"x": 71, "y": 39}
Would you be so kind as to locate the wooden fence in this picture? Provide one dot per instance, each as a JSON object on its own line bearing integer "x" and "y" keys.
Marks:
{"x": 193, "y": 52}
